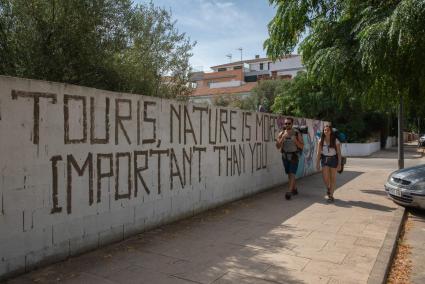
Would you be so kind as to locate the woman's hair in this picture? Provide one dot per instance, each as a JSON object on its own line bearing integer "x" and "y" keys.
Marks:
{"x": 333, "y": 138}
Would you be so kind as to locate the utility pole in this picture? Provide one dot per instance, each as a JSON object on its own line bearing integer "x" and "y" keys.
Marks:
{"x": 400, "y": 134}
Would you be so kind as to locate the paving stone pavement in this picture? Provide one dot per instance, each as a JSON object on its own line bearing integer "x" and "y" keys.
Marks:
{"x": 260, "y": 239}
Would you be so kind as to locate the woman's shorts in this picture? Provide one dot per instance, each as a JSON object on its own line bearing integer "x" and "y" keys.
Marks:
{"x": 329, "y": 161}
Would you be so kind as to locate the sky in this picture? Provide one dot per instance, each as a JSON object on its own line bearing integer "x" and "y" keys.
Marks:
{"x": 220, "y": 27}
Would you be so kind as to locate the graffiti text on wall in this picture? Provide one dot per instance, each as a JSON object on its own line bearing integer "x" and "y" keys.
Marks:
{"x": 164, "y": 142}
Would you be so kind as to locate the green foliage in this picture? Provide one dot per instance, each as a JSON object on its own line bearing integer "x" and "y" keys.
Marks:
{"x": 303, "y": 97}
{"x": 266, "y": 91}
{"x": 369, "y": 49}
{"x": 235, "y": 101}
{"x": 108, "y": 44}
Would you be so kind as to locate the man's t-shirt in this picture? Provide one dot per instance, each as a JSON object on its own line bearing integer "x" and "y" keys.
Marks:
{"x": 289, "y": 145}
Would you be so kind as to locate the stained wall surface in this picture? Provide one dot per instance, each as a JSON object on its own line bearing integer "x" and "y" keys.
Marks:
{"x": 81, "y": 167}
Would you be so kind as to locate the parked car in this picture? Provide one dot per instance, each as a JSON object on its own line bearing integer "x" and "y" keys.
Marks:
{"x": 421, "y": 141}
{"x": 407, "y": 186}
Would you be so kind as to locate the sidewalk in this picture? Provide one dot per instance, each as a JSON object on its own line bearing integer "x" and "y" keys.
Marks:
{"x": 261, "y": 239}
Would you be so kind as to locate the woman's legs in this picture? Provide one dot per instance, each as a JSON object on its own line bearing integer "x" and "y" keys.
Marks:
{"x": 326, "y": 177}
{"x": 332, "y": 180}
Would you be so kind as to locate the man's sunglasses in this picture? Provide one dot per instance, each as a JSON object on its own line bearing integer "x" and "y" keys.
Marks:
{"x": 288, "y": 123}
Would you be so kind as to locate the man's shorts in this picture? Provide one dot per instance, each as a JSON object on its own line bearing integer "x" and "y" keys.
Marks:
{"x": 329, "y": 161}
{"x": 290, "y": 163}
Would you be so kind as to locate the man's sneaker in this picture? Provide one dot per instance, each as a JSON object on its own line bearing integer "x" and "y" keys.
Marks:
{"x": 294, "y": 191}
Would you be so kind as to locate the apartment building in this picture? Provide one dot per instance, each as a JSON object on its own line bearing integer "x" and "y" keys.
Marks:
{"x": 239, "y": 78}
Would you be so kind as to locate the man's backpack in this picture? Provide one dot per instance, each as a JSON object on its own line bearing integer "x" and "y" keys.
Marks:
{"x": 340, "y": 135}
{"x": 303, "y": 129}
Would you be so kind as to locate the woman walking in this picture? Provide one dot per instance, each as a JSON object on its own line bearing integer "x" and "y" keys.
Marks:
{"x": 329, "y": 157}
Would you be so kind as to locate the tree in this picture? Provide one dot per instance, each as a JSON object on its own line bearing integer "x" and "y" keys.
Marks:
{"x": 235, "y": 101}
{"x": 372, "y": 48}
{"x": 265, "y": 92}
{"x": 303, "y": 97}
{"x": 108, "y": 44}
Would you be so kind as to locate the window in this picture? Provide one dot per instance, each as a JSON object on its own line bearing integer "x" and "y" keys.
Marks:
{"x": 251, "y": 78}
{"x": 237, "y": 67}
{"x": 222, "y": 69}
{"x": 268, "y": 65}
{"x": 261, "y": 66}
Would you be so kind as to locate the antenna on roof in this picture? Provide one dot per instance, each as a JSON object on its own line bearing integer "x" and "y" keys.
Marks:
{"x": 229, "y": 56}
{"x": 240, "y": 49}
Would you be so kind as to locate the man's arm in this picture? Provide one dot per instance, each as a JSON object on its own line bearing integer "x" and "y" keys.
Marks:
{"x": 279, "y": 140}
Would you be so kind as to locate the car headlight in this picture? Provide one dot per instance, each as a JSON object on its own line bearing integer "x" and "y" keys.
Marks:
{"x": 419, "y": 185}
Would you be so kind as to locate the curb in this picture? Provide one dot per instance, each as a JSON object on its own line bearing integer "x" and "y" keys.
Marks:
{"x": 382, "y": 266}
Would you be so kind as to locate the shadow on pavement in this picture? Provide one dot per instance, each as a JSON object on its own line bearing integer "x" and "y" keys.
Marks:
{"x": 235, "y": 243}
{"x": 363, "y": 204}
{"x": 417, "y": 212}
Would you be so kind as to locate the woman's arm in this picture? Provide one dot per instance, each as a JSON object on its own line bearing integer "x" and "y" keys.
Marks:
{"x": 318, "y": 155}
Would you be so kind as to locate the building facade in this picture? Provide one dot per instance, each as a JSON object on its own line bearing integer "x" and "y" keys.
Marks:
{"x": 240, "y": 77}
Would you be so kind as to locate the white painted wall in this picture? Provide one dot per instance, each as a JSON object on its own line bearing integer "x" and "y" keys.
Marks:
{"x": 293, "y": 73}
{"x": 49, "y": 130}
{"x": 256, "y": 65}
{"x": 232, "y": 83}
{"x": 287, "y": 63}
{"x": 288, "y": 66}
{"x": 391, "y": 142}
{"x": 359, "y": 149}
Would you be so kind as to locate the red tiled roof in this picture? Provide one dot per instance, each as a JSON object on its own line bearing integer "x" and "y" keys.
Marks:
{"x": 205, "y": 91}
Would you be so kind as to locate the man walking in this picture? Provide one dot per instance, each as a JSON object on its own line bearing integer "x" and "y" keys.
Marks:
{"x": 290, "y": 143}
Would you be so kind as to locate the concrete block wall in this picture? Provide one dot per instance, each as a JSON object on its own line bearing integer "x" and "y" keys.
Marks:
{"x": 81, "y": 167}
{"x": 359, "y": 149}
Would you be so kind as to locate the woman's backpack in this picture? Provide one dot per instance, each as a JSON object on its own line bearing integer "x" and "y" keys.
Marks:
{"x": 342, "y": 139}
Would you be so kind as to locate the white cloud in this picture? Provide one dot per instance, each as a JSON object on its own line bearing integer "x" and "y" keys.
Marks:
{"x": 212, "y": 17}
{"x": 220, "y": 27}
